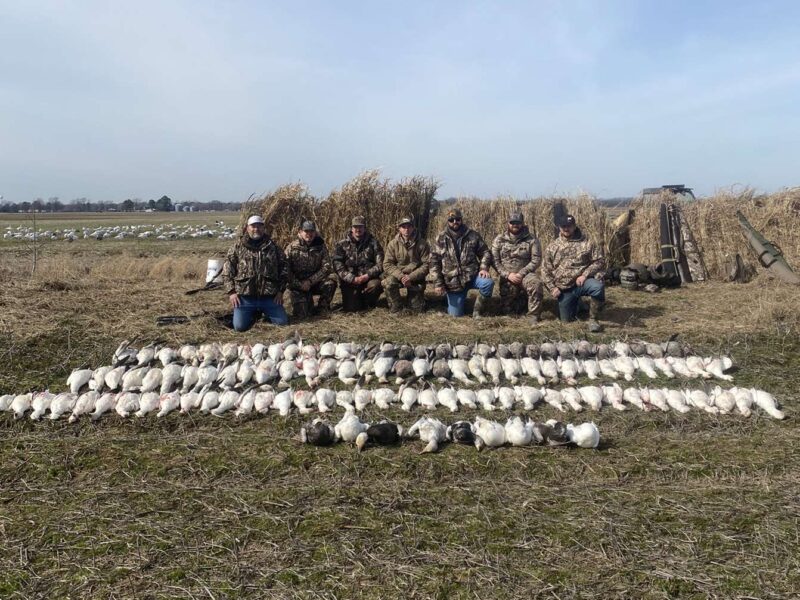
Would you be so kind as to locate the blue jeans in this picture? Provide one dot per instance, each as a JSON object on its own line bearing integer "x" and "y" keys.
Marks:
{"x": 456, "y": 300}
{"x": 245, "y": 314}
{"x": 568, "y": 300}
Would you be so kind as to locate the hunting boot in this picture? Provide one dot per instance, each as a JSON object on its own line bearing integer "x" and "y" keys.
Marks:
{"x": 595, "y": 308}
{"x": 394, "y": 299}
{"x": 480, "y": 307}
{"x": 416, "y": 298}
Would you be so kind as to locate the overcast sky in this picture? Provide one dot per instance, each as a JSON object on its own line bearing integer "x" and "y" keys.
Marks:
{"x": 218, "y": 100}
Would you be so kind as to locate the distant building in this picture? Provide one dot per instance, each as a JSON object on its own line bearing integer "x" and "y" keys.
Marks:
{"x": 178, "y": 207}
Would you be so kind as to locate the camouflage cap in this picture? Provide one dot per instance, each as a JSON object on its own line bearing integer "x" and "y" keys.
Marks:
{"x": 358, "y": 221}
{"x": 566, "y": 221}
{"x": 405, "y": 221}
{"x": 454, "y": 213}
{"x": 308, "y": 226}
{"x": 516, "y": 217}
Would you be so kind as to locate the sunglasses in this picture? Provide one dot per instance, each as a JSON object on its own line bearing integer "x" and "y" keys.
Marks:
{"x": 515, "y": 222}
{"x": 454, "y": 220}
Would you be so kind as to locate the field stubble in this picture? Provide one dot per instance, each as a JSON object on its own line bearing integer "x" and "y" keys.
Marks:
{"x": 671, "y": 505}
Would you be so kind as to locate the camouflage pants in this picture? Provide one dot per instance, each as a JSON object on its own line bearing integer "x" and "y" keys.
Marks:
{"x": 415, "y": 294}
{"x": 303, "y": 302}
{"x": 360, "y": 297}
{"x": 512, "y": 297}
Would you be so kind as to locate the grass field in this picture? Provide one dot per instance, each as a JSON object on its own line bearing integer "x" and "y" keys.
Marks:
{"x": 670, "y": 506}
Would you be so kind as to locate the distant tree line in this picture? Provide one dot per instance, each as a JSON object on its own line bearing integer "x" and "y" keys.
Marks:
{"x": 163, "y": 204}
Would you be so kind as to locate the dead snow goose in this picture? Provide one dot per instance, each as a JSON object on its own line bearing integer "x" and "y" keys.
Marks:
{"x": 511, "y": 370}
{"x": 572, "y": 397}
{"x": 40, "y": 403}
{"x": 62, "y": 404}
{"x": 167, "y": 356}
{"x": 592, "y": 396}
{"x": 113, "y": 378}
{"x": 530, "y": 366}
{"x": 467, "y": 398}
{"x": 568, "y": 369}
{"x": 430, "y": 430}
{"x": 265, "y": 396}
{"x": 505, "y": 396}
{"x": 348, "y": 428}
{"x": 383, "y": 433}
{"x": 79, "y": 378}
{"x": 676, "y": 400}
{"x": 486, "y": 399}
{"x": 152, "y": 380}
{"x": 127, "y": 403}
{"x": 612, "y": 394}
{"x": 84, "y": 405}
{"x": 384, "y": 397}
{"x": 528, "y": 395}
{"x": 662, "y": 365}
{"x": 591, "y": 368}
{"x": 699, "y": 399}
{"x": 461, "y": 432}
{"x": 148, "y": 402}
{"x": 459, "y": 369}
{"x": 632, "y": 396}
{"x": 607, "y": 368}
{"x": 5, "y": 401}
{"x": 98, "y": 378}
{"x": 654, "y": 397}
{"x": 585, "y": 435}
{"x": 518, "y": 432}
{"x": 246, "y": 402}
{"x": 646, "y": 365}
{"x": 344, "y": 399}
{"x": 132, "y": 380}
{"x": 326, "y": 399}
{"x": 105, "y": 403}
{"x": 553, "y": 398}
{"x": 318, "y": 432}
{"x": 716, "y": 366}
{"x": 766, "y": 402}
{"x": 427, "y": 398}
{"x": 475, "y": 365}
{"x": 229, "y": 399}
{"x": 549, "y": 369}
{"x": 170, "y": 376}
{"x": 744, "y": 400}
{"x": 283, "y": 402}
{"x": 624, "y": 365}
{"x": 209, "y": 400}
{"x": 488, "y": 433}
{"x": 447, "y": 397}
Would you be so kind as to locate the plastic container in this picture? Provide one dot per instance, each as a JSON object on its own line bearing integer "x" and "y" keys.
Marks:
{"x": 214, "y": 270}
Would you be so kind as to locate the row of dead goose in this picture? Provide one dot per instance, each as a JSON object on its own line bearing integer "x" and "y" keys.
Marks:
{"x": 264, "y": 398}
{"x": 481, "y": 433}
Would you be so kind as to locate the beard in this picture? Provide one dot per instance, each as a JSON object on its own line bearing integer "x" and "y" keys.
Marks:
{"x": 255, "y": 235}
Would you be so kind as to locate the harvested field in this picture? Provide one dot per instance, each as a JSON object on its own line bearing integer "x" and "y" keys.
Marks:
{"x": 669, "y": 506}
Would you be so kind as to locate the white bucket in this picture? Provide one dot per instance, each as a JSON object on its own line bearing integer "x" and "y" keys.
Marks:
{"x": 214, "y": 270}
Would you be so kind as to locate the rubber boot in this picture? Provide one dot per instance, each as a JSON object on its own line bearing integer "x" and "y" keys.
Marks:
{"x": 480, "y": 307}
{"x": 595, "y": 308}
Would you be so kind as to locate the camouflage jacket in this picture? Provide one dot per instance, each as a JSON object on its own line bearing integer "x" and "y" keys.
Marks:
{"x": 351, "y": 258}
{"x": 307, "y": 261}
{"x": 516, "y": 254}
{"x": 566, "y": 260}
{"x": 255, "y": 270}
{"x": 410, "y": 258}
{"x": 457, "y": 258}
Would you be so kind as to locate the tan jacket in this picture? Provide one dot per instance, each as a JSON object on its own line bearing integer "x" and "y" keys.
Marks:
{"x": 516, "y": 254}
{"x": 255, "y": 270}
{"x": 566, "y": 260}
{"x": 410, "y": 258}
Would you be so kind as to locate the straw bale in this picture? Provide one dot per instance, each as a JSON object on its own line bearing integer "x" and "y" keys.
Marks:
{"x": 716, "y": 228}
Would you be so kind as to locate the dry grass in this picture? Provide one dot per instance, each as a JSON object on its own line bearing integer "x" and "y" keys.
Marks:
{"x": 717, "y": 231}
{"x": 203, "y": 507}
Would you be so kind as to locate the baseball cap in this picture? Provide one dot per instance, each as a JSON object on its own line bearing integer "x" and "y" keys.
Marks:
{"x": 566, "y": 221}
{"x": 405, "y": 221}
{"x": 454, "y": 213}
{"x": 358, "y": 221}
{"x": 516, "y": 217}
{"x": 255, "y": 219}
{"x": 308, "y": 226}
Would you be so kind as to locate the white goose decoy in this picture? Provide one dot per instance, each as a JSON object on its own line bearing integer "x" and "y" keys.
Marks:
{"x": 488, "y": 433}
{"x": 127, "y": 403}
{"x": 766, "y": 402}
{"x": 467, "y": 398}
{"x": 518, "y": 432}
{"x": 530, "y": 366}
{"x": 148, "y": 402}
{"x": 430, "y": 430}
{"x": 152, "y": 380}
{"x": 744, "y": 401}
{"x": 168, "y": 402}
{"x": 283, "y": 402}
{"x": 528, "y": 395}
{"x": 585, "y": 435}
{"x": 264, "y": 399}
{"x": 79, "y": 378}
{"x": 105, "y": 403}
{"x": 572, "y": 397}
{"x": 383, "y": 397}
{"x": 676, "y": 400}
{"x": 447, "y": 397}
{"x": 553, "y": 398}
{"x": 349, "y": 427}
{"x": 592, "y": 396}
{"x": 84, "y": 405}
{"x": 326, "y": 399}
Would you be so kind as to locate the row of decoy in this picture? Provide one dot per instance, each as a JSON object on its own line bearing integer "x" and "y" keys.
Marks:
{"x": 167, "y": 231}
{"x": 264, "y": 398}
{"x": 482, "y": 433}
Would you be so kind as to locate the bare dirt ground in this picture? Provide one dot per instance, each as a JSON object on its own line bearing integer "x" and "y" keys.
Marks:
{"x": 669, "y": 506}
